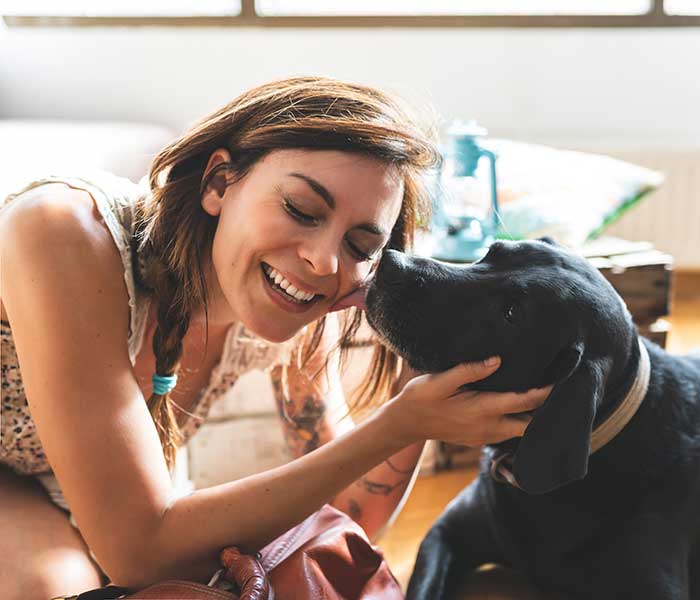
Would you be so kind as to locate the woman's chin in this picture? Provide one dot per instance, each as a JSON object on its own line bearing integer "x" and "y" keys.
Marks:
{"x": 272, "y": 332}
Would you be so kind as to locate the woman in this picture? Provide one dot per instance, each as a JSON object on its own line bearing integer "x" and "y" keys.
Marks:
{"x": 260, "y": 222}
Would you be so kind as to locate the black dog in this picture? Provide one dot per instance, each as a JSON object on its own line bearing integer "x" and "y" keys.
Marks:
{"x": 617, "y": 522}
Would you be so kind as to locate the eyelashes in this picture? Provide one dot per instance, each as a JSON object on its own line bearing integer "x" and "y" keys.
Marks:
{"x": 297, "y": 214}
{"x": 309, "y": 220}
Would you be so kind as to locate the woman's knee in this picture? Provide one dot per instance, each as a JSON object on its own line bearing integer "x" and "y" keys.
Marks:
{"x": 43, "y": 556}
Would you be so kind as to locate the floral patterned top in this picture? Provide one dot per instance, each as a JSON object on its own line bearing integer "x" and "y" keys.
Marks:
{"x": 20, "y": 446}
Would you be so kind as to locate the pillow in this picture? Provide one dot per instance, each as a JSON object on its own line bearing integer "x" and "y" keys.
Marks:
{"x": 568, "y": 195}
{"x": 35, "y": 148}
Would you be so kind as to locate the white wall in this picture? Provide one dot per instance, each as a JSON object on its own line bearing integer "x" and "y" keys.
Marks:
{"x": 624, "y": 84}
{"x": 599, "y": 89}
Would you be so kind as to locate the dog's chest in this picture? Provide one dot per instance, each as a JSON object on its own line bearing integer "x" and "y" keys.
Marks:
{"x": 540, "y": 531}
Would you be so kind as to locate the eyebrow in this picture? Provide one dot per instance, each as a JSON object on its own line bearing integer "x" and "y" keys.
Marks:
{"x": 330, "y": 201}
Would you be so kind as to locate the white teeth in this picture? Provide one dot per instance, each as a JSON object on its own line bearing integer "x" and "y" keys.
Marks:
{"x": 289, "y": 289}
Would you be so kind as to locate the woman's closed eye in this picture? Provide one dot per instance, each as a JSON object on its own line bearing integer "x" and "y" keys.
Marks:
{"x": 307, "y": 219}
{"x": 297, "y": 214}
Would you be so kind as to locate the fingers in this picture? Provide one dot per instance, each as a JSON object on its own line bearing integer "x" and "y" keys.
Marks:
{"x": 510, "y": 403}
{"x": 509, "y": 427}
{"x": 449, "y": 381}
{"x": 494, "y": 429}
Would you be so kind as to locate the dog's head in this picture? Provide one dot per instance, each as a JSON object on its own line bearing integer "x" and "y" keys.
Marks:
{"x": 549, "y": 315}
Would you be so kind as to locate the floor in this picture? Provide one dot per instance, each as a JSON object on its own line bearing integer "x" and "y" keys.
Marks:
{"x": 432, "y": 493}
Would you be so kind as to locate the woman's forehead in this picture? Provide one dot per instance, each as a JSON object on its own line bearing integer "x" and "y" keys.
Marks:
{"x": 334, "y": 161}
{"x": 340, "y": 177}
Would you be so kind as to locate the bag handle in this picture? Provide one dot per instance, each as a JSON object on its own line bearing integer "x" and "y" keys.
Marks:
{"x": 243, "y": 570}
{"x": 247, "y": 572}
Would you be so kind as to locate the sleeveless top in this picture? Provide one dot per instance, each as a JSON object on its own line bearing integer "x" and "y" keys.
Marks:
{"x": 20, "y": 446}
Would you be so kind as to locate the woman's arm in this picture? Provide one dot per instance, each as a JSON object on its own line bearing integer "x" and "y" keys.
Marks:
{"x": 63, "y": 289}
{"x": 313, "y": 412}
{"x": 376, "y": 499}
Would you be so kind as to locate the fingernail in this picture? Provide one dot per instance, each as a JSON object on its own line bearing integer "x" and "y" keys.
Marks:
{"x": 492, "y": 361}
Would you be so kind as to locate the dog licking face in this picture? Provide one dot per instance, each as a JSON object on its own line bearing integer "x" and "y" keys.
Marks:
{"x": 549, "y": 315}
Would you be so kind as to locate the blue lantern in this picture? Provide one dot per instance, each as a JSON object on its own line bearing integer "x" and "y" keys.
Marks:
{"x": 465, "y": 220}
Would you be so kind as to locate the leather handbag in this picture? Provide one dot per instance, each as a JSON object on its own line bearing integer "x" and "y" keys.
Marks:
{"x": 327, "y": 556}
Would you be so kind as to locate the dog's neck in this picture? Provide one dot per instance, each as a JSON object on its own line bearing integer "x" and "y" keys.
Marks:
{"x": 616, "y": 413}
{"x": 624, "y": 371}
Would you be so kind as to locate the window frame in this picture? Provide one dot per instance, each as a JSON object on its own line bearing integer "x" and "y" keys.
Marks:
{"x": 656, "y": 17}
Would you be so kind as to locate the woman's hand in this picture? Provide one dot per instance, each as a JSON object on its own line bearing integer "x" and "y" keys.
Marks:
{"x": 430, "y": 406}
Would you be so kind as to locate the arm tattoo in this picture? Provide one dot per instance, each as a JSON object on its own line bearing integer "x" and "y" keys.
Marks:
{"x": 377, "y": 487}
{"x": 354, "y": 509}
{"x": 397, "y": 470}
{"x": 302, "y": 419}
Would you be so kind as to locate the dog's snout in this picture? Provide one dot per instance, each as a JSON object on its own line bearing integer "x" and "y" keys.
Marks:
{"x": 392, "y": 267}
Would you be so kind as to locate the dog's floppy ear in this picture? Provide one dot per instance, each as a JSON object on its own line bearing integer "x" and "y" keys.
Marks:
{"x": 563, "y": 366}
{"x": 555, "y": 448}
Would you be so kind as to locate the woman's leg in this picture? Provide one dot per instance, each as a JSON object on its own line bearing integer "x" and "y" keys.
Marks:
{"x": 41, "y": 554}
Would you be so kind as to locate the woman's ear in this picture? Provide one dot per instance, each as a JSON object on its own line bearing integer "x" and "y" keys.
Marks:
{"x": 214, "y": 181}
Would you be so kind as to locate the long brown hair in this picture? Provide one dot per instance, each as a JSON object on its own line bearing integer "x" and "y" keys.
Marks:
{"x": 176, "y": 234}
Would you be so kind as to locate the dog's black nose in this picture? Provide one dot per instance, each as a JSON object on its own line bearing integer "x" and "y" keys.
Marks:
{"x": 392, "y": 266}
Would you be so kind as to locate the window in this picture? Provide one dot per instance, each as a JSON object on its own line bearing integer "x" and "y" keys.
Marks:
{"x": 682, "y": 7}
{"x": 123, "y": 8}
{"x": 355, "y": 13}
{"x": 451, "y": 7}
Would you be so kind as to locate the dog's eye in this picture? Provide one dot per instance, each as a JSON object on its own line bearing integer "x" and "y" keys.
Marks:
{"x": 511, "y": 313}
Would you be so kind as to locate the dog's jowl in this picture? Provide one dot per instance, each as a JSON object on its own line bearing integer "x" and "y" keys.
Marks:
{"x": 600, "y": 499}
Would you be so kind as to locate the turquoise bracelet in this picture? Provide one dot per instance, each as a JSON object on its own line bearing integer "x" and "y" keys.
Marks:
{"x": 162, "y": 384}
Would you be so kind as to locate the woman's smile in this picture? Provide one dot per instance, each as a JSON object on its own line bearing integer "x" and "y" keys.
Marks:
{"x": 280, "y": 294}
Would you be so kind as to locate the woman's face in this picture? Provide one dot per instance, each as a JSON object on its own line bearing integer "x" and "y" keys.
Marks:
{"x": 314, "y": 221}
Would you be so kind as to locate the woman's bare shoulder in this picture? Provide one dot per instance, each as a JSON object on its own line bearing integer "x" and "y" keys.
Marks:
{"x": 57, "y": 227}
{"x": 62, "y": 205}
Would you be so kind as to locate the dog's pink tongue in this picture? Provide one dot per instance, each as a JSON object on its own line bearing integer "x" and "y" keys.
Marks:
{"x": 356, "y": 298}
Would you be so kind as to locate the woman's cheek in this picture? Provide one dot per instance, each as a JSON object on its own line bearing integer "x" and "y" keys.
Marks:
{"x": 269, "y": 229}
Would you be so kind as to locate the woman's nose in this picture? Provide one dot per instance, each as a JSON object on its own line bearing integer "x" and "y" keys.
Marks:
{"x": 321, "y": 254}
